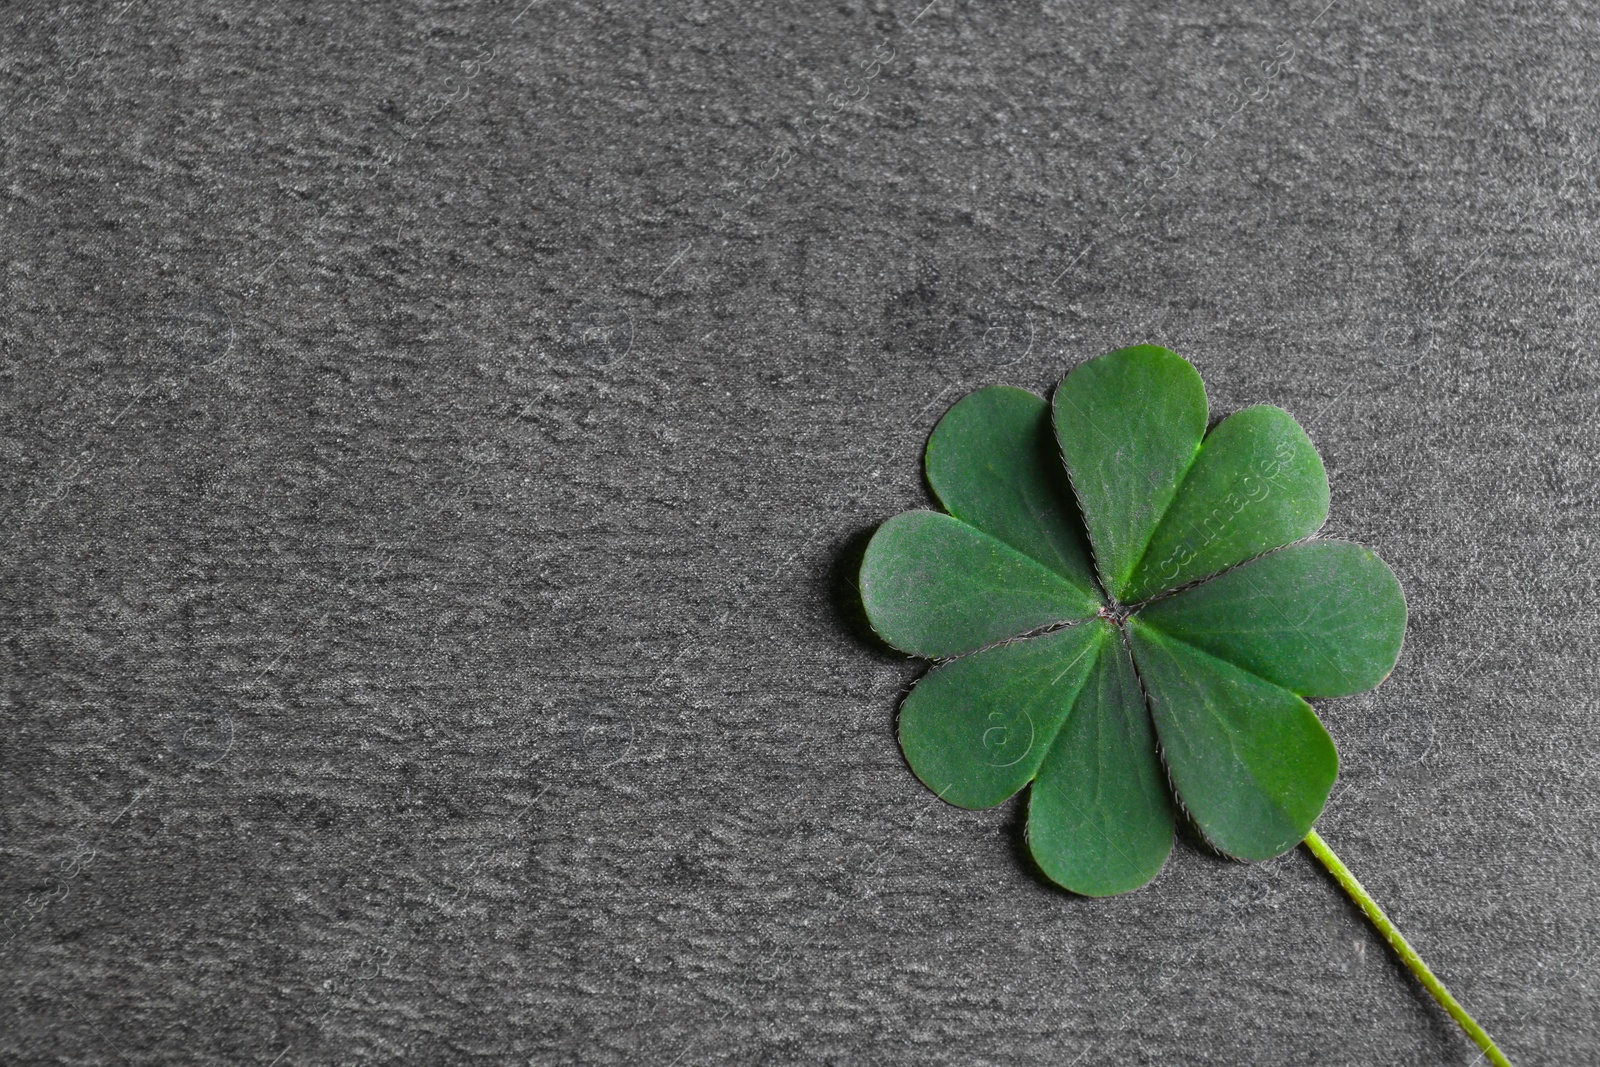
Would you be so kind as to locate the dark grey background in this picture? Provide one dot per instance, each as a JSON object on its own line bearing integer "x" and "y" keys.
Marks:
{"x": 431, "y": 434}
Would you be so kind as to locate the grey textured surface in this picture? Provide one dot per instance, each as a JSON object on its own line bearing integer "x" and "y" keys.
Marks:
{"x": 430, "y": 435}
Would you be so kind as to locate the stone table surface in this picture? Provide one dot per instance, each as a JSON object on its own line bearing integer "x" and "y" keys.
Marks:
{"x": 435, "y": 436}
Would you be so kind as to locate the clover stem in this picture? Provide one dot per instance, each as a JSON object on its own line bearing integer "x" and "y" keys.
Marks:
{"x": 1408, "y": 955}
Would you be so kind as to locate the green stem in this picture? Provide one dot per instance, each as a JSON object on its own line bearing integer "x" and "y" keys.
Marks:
{"x": 1408, "y": 955}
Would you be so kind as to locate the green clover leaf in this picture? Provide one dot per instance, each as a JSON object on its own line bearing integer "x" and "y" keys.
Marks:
{"x": 1128, "y": 615}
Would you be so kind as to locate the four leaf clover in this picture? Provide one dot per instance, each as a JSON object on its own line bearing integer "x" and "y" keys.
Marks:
{"x": 1128, "y": 614}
